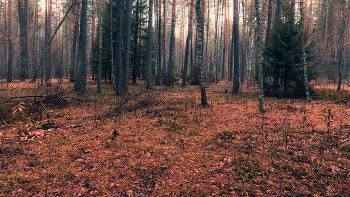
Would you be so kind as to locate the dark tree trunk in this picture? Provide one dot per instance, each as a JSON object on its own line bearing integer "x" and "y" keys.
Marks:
{"x": 92, "y": 39}
{"x": 75, "y": 38}
{"x": 80, "y": 82}
{"x": 189, "y": 36}
{"x": 200, "y": 54}
{"x": 23, "y": 23}
{"x": 126, "y": 58}
{"x": 172, "y": 42}
{"x": 258, "y": 48}
{"x": 9, "y": 30}
{"x": 149, "y": 47}
{"x": 136, "y": 32}
{"x": 118, "y": 72}
{"x": 236, "y": 47}
{"x": 159, "y": 63}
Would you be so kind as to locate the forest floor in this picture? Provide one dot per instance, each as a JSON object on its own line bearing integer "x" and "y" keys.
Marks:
{"x": 163, "y": 143}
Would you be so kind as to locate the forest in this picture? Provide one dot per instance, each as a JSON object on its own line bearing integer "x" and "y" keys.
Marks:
{"x": 174, "y": 98}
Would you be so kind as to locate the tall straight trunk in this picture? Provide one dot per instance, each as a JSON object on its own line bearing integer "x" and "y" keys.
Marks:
{"x": 258, "y": 48}
{"x": 112, "y": 50}
{"x": 33, "y": 65}
{"x": 206, "y": 64}
{"x": 244, "y": 40}
{"x": 136, "y": 33}
{"x": 172, "y": 42}
{"x": 126, "y": 58}
{"x": 252, "y": 27}
{"x": 164, "y": 37}
{"x": 278, "y": 10}
{"x": 236, "y": 47}
{"x": 269, "y": 19}
{"x": 306, "y": 84}
{"x": 23, "y": 23}
{"x": 149, "y": 47}
{"x": 189, "y": 36}
{"x": 200, "y": 54}
{"x": 159, "y": 62}
{"x": 9, "y": 31}
{"x": 100, "y": 49}
{"x": 118, "y": 73}
{"x": 224, "y": 49}
{"x": 92, "y": 39}
{"x": 215, "y": 41}
{"x": 75, "y": 39}
{"x": 80, "y": 83}
{"x": 203, "y": 11}
{"x": 48, "y": 35}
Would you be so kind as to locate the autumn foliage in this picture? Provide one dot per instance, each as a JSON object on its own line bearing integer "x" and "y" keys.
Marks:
{"x": 164, "y": 143}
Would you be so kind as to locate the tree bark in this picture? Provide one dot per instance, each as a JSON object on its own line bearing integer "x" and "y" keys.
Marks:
{"x": 172, "y": 42}
{"x": 10, "y": 53}
{"x": 189, "y": 36}
{"x": 100, "y": 48}
{"x": 23, "y": 23}
{"x": 200, "y": 55}
{"x": 149, "y": 47}
{"x": 80, "y": 83}
{"x": 92, "y": 39}
{"x": 159, "y": 63}
{"x": 236, "y": 47}
{"x": 118, "y": 72}
{"x": 258, "y": 47}
{"x": 75, "y": 39}
{"x": 306, "y": 84}
{"x": 126, "y": 58}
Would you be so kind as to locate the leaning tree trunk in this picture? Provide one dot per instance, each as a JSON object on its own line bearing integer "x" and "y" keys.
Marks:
{"x": 9, "y": 30}
{"x": 149, "y": 47}
{"x": 172, "y": 42}
{"x": 118, "y": 72}
{"x": 236, "y": 47}
{"x": 306, "y": 84}
{"x": 258, "y": 47}
{"x": 80, "y": 83}
{"x": 189, "y": 35}
{"x": 200, "y": 52}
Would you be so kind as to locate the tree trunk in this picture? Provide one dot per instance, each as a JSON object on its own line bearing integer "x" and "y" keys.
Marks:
{"x": 118, "y": 72}
{"x": 75, "y": 39}
{"x": 23, "y": 23}
{"x": 200, "y": 55}
{"x": 159, "y": 63}
{"x": 189, "y": 36}
{"x": 258, "y": 47}
{"x": 126, "y": 58}
{"x": 172, "y": 42}
{"x": 149, "y": 47}
{"x": 100, "y": 49}
{"x": 136, "y": 32}
{"x": 92, "y": 39}
{"x": 244, "y": 40}
{"x": 236, "y": 47}
{"x": 224, "y": 49}
{"x": 80, "y": 83}
{"x": 306, "y": 84}
{"x": 164, "y": 37}
{"x": 250, "y": 64}
{"x": 10, "y": 53}
{"x": 48, "y": 35}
